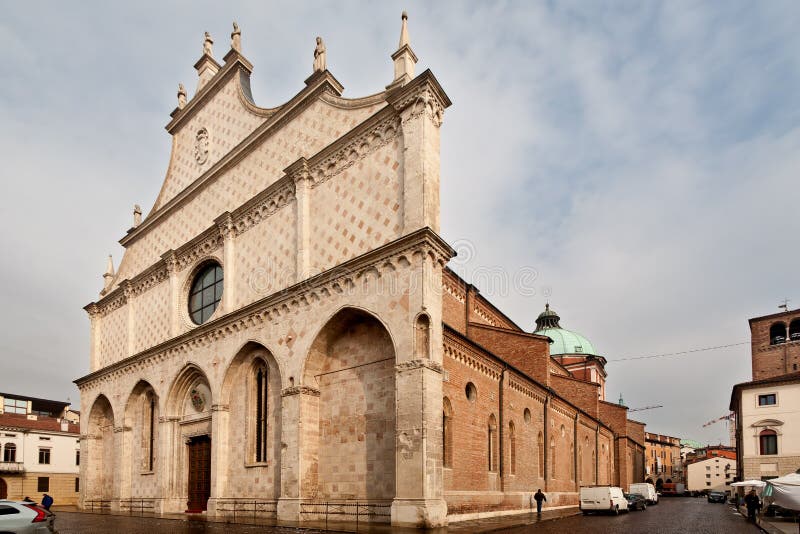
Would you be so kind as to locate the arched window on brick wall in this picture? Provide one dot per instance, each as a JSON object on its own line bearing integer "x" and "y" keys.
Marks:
{"x": 540, "y": 452}
{"x": 777, "y": 333}
{"x": 512, "y": 441}
{"x": 552, "y": 458}
{"x": 768, "y": 442}
{"x": 447, "y": 433}
{"x": 572, "y": 461}
{"x": 492, "y": 443}
{"x": 594, "y": 467}
{"x": 580, "y": 463}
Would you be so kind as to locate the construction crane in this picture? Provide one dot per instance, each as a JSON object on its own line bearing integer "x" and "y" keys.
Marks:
{"x": 727, "y": 417}
{"x": 644, "y": 408}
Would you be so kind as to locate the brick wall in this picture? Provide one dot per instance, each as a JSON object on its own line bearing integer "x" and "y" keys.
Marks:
{"x": 582, "y": 394}
{"x": 526, "y": 352}
{"x": 774, "y": 360}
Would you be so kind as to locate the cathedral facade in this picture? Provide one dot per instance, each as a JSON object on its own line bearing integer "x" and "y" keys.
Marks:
{"x": 283, "y": 332}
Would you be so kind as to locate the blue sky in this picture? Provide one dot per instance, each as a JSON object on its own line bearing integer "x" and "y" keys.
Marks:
{"x": 639, "y": 157}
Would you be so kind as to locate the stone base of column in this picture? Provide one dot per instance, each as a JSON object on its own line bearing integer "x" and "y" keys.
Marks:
{"x": 289, "y": 509}
{"x": 419, "y": 513}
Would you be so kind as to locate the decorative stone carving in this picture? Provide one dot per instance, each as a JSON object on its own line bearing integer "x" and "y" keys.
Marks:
{"x": 319, "y": 56}
{"x": 137, "y": 215}
{"x": 236, "y": 38}
{"x": 198, "y": 399}
{"x": 201, "y": 146}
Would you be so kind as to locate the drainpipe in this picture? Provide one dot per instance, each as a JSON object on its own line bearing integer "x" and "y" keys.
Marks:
{"x": 597, "y": 454}
{"x": 546, "y": 445}
{"x": 575, "y": 453}
{"x": 501, "y": 447}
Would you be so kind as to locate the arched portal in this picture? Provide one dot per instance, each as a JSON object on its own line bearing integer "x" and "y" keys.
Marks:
{"x": 101, "y": 451}
{"x": 140, "y": 436}
{"x": 659, "y": 484}
{"x": 252, "y": 391}
{"x": 351, "y": 362}
{"x": 188, "y": 411}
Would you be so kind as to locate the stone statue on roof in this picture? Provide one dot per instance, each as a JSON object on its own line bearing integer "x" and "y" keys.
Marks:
{"x": 236, "y": 38}
{"x": 319, "y": 56}
{"x": 181, "y": 96}
{"x": 208, "y": 42}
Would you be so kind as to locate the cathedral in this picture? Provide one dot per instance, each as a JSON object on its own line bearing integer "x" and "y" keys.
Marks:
{"x": 283, "y": 335}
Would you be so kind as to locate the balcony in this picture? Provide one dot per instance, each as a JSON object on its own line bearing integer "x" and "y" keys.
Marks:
{"x": 12, "y": 467}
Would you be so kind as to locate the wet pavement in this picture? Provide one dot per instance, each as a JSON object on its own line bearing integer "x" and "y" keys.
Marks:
{"x": 676, "y": 515}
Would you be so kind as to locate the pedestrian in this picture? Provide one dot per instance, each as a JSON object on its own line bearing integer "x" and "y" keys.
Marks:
{"x": 753, "y": 503}
{"x": 540, "y": 498}
{"x": 47, "y": 501}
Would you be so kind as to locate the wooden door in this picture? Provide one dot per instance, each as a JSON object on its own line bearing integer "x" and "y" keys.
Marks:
{"x": 199, "y": 473}
{"x": 3, "y": 489}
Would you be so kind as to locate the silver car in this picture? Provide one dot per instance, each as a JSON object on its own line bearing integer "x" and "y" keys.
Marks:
{"x": 26, "y": 518}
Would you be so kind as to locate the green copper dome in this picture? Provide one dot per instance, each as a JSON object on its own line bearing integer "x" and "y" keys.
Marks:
{"x": 564, "y": 341}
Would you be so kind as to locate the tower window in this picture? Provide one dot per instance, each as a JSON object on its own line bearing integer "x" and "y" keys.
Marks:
{"x": 777, "y": 333}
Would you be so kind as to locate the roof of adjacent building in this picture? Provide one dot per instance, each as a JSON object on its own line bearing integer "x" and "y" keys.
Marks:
{"x": 48, "y": 424}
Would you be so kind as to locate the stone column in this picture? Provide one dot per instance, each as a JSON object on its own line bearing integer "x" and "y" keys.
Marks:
{"x": 169, "y": 457}
{"x": 220, "y": 446}
{"x": 299, "y": 432}
{"x": 116, "y": 492}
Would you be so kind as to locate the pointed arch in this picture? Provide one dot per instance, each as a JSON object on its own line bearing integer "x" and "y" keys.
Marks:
{"x": 190, "y": 379}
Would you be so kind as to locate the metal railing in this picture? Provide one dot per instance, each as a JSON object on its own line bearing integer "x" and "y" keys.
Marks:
{"x": 142, "y": 504}
{"x": 97, "y": 505}
{"x": 352, "y": 511}
{"x": 247, "y": 509}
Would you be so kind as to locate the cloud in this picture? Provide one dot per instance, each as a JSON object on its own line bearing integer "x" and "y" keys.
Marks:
{"x": 639, "y": 156}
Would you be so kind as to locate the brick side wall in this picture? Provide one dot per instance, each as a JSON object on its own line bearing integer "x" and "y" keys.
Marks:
{"x": 582, "y": 394}
{"x": 526, "y": 352}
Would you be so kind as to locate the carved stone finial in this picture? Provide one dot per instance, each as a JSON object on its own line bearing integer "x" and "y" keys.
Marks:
{"x": 236, "y": 38}
{"x": 404, "y": 58}
{"x": 181, "y": 96}
{"x": 137, "y": 215}
{"x": 319, "y": 56}
{"x": 108, "y": 276}
{"x": 208, "y": 43}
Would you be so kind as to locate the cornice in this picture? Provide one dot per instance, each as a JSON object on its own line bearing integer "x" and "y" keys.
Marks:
{"x": 274, "y": 306}
{"x": 402, "y": 96}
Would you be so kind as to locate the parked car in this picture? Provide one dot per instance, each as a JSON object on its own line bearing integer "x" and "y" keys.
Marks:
{"x": 602, "y": 499}
{"x": 646, "y": 490}
{"x": 636, "y": 501}
{"x": 717, "y": 496}
{"x": 26, "y": 518}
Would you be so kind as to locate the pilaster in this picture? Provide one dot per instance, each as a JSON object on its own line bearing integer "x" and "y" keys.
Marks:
{"x": 299, "y": 404}
{"x": 227, "y": 230}
{"x": 95, "y": 329}
{"x": 171, "y": 261}
{"x": 127, "y": 289}
{"x": 421, "y": 105}
{"x": 298, "y": 172}
{"x": 220, "y": 446}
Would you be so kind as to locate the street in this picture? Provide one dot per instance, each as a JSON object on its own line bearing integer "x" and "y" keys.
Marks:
{"x": 676, "y": 515}
{"x": 671, "y": 515}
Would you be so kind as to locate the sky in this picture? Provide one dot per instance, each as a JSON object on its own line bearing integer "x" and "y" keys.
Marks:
{"x": 632, "y": 163}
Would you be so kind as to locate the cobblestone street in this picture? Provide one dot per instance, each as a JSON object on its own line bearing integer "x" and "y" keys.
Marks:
{"x": 695, "y": 516}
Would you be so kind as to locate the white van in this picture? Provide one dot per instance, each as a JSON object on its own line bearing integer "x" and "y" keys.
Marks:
{"x": 646, "y": 490}
{"x": 603, "y": 499}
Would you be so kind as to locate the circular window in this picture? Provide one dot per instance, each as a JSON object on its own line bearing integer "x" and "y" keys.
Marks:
{"x": 206, "y": 293}
{"x": 471, "y": 391}
{"x": 527, "y": 415}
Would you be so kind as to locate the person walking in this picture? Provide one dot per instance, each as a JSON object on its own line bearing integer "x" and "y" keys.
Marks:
{"x": 47, "y": 501}
{"x": 540, "y": 498}
{"x": 753, "y": 504}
